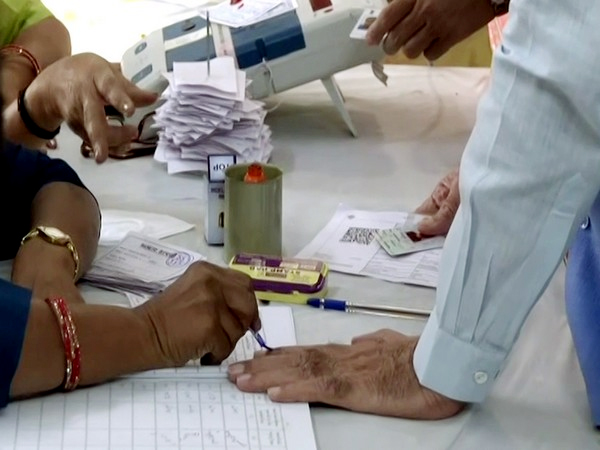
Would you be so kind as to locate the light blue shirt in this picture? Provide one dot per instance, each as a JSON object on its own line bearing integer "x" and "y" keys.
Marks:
{"x": 528, "y": 177}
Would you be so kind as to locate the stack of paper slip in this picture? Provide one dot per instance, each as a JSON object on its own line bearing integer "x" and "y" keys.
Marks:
{"x": 140, "y": 265}
{"x": 206, "y": 115}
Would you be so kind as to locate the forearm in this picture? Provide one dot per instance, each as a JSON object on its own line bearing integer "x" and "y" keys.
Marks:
{"x": 48, "y": 41}
{"x": 528, "y": 177}
{"x": 74, "y": 211}
{"x": 114, "y": 341}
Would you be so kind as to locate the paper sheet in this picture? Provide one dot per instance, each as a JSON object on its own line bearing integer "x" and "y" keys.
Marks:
{"x": 176, "y": 410}
{"x": 348, "y": 244}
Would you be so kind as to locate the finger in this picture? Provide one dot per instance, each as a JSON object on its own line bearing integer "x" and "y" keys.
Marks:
{"x": 418, "y": 43}
{"x": 436, "y": 49}
{"x": 112, "y": 90}
{"x": 438, "y": 224}
{"x": 139, "y": 96}
{"x": 389, "y": 17}
{"x": 219, "y": 349}
{"x": 96, "y": 128}
{"x": 334, "y": 390}
{"x": 260, "y": 382}
{"x": 427, "y": 207}
{"x": 233, "y": 328}
{"x": 402, "y": 32}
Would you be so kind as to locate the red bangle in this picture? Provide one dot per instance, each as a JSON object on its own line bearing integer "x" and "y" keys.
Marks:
{"x": 18, "y": 50}
{"x": 68, "y": 334}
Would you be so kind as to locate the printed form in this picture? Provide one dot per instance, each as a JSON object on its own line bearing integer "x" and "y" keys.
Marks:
{"x": 187, "y": 408}
{"x": 348, "y": 244}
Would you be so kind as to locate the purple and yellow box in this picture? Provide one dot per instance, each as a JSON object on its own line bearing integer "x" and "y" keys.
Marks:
{"x": 290, "y": 280}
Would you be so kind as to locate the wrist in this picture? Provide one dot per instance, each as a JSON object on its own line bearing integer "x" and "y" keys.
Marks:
{"x": 154, "y": 353}
{"x": 51, "y": 262}
{"x": 40, "y": 108}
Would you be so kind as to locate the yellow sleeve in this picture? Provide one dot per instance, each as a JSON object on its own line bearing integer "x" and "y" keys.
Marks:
{"x": 17, "y": 15}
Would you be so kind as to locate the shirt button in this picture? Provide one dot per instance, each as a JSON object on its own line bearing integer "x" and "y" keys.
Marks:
{"x": 586, "y": 223}
{"x": 480, "y": 377}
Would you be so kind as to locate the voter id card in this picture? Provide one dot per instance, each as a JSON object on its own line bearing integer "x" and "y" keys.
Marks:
{"x": 396, "y": 241}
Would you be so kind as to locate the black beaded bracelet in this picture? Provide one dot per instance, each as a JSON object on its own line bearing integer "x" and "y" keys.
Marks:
{"x": 29, "y": 123}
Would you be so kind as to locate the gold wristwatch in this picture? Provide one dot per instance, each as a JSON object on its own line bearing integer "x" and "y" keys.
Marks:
{"x": 55, "y": 236}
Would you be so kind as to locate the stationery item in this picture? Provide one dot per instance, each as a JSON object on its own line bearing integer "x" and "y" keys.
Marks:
{"x": 239, "y": 13}
{"x": 203, "y": 115}
{"x": 364, "y": 22}
{"x": 290, "y": 280}
{"x": 350, "y": 307}
{"x": 190, "y": 407}
{"x": 260, "y": 340}
{"x": 348, "y": 244}
{"x": 252, "y": 212}
{"x": 214, "y": 216}
{"x": 396, "y": 241}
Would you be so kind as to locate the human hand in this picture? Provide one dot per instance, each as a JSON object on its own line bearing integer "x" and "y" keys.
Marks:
{"x": 76, "y": 89}
{"x": 375, "y": 375}
{"x": 430, "y": 27}
{"x": 202, "y": 315}
{"x": 441, "y": 206}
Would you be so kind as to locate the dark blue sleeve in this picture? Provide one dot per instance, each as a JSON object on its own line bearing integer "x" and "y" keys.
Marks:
{"x": 14, "y": 311}
{"x": 22, "y": 174}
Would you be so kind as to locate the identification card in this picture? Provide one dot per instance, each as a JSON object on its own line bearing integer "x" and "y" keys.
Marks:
{"x": 366, "y": 20}
{"x": 397, "y": 242}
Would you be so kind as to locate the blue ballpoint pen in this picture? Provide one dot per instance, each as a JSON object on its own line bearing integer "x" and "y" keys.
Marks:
{"x": 350, "y": 307}
{"x": 260, "y": 340}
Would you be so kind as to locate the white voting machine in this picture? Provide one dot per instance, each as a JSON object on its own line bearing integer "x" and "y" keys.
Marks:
{"x": 307, "y": 41}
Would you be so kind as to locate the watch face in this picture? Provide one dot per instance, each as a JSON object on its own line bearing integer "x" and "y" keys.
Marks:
{"x": 55, "y": 234}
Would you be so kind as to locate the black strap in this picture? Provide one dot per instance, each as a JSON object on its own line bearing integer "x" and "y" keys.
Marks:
{"x": 29, "y": 123}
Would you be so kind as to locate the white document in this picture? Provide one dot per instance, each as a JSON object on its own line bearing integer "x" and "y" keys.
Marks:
{"x": 116, "y": 224}
{"x": 348, "y": 244}
{"x": 140, "y": 265}
{"x": 186, "y": 408}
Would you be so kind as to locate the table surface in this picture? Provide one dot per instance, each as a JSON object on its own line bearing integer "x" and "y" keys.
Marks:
{"x": 410, "y": 134}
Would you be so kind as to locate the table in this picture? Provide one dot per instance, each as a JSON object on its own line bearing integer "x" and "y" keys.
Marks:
{"x": 410, "y": 134}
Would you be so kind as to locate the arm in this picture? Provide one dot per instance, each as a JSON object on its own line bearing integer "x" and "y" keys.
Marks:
{"x": 47, "y": 192}
{"x": 48, "y": 41}
{"x": 528, "y": 177}
{"x": 205, "y": 312}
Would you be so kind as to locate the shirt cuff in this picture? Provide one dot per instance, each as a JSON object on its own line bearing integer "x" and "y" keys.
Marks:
{"x": 452, "y": 367}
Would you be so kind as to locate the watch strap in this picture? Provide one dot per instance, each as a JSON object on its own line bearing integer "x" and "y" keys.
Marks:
{"x": 39, "y": 232}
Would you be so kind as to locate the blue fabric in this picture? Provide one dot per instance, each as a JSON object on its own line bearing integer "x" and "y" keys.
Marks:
{"x": 14, "y": 310}
{"x": 22, "y": 174}
{"x": 583, "y": 304}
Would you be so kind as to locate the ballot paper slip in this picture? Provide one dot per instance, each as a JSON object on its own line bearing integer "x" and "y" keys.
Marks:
{"x": 402, "y": 241}
{"x": 190, "y": 407}
{"x": 206, "y": 114}
{"x": 243, "y": 13}
{"x": 140, "y": 265}
{"x": 348, "y": 244}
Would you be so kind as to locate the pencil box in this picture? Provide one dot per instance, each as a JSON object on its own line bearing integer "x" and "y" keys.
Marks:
{"x": 290, "y": 280}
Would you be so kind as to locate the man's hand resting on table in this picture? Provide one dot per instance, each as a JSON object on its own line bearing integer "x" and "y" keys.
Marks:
{"x": 441, "y": 206}
{"x": 430, "y": 27}
{"x": 374, "y": 374}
